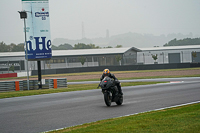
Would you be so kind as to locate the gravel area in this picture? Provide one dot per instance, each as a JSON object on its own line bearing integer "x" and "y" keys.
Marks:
{"x": 124, "y": 75}
{"x": 140, "y": 74}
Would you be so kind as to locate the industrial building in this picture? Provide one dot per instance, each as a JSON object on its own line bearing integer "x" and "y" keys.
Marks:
{"x": 173, "y": 54}
{"x": 103, "y": 57}
{"x": 72, "y": 58}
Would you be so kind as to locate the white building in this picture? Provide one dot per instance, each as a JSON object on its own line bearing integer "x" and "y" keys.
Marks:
{"x": 102, "y": 57}
{"x": 173, "y": 54}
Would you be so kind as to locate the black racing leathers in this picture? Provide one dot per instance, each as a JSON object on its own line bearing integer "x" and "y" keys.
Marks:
{"x": 116, "y": 81}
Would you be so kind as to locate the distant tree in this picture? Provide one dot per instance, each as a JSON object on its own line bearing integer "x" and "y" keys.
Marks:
{"x": 11, "y": 48}
{"x": 108, "y": 47}
{"x": 81, "y": 46}
{"x": 65, "y": 46}
{"x": 118, "y": 58}
{"x": 4, "y": 47}
{"x": 62, "y": 47}
{"x": 182, "y": 42}
{"x": 82, "y": 60}
{"x": 155, "y": 57}
{"x": 194, "y": 55}
{"x": 92, "y": 46}
{"x": 12, "y": 68}
{"x": 54, "y": 47}
{"x": 118, "y": 46}
{"x": 84, "y": 46}
{"x": 17, "y": 48}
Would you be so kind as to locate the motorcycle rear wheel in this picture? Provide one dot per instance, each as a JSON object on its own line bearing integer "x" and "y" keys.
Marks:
{"x": 107, "y": 99}
{"x": 120, "y": 101}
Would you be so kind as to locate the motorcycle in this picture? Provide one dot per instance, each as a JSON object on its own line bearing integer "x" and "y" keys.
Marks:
{"x": 110, "y": 91}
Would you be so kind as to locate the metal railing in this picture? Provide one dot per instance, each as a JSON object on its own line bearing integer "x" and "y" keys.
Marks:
{"x": 33, "y": 84}
{"x": 61, "y": 82}
{"x": 7, "y": 86}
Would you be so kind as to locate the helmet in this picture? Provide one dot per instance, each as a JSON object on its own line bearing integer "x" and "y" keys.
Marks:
{"x": 106, "y": 72}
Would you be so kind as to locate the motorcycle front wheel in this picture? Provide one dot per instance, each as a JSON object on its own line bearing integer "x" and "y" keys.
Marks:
{"x": 107, "y": 99}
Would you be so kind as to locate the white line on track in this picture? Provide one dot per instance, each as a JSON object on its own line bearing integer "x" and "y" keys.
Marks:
{"x": 163, "y": 108}
{"x": 137, "y": 113}
{"x": 176, "y": 81}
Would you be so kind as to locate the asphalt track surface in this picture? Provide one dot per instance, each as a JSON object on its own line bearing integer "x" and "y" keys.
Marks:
{"x": 144, "y": 80}
{"x": 32, "y": 114}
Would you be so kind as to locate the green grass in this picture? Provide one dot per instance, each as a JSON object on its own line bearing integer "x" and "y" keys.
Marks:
{"x": 69, "y": 88}
{"x": 184, "y": 119}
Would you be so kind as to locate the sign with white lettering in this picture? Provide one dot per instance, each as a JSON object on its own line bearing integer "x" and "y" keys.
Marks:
{"x": 37, "y": 29}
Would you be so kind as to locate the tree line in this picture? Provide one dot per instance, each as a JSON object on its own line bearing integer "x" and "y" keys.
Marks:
{"x": 80, "y": 46}
{"x": 182, "y": 42}
{"x": 20, "y": 47}
{"x": 11, "y": 48}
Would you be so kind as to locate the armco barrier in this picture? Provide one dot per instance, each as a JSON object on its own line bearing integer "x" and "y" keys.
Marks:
{"x": 55, "y": 83}
{"x": 17, "y": 88}
{"x": 61, "y": 82}
{"x": 33, "y": 84}
{"x": 7, "y": 86}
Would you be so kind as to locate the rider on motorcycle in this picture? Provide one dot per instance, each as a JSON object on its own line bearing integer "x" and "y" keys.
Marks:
{"x": 106, "y": 72}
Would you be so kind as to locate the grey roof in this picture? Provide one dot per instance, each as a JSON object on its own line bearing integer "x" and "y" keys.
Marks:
{"x": 92, "y": 51}
{"x": 77, "y": 52}
{"x": 171, "y": 48}
{"x": 12, "y": 54}
{"x": 101, "y": 51}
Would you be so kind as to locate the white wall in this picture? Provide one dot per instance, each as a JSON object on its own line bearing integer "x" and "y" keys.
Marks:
{"x": 146, "y": 57}
{"x": 23, "y": 74}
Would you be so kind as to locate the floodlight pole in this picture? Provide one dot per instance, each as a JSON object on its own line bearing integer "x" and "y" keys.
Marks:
{"x": 23, "y": 15}
{"x": 26, "y": 56}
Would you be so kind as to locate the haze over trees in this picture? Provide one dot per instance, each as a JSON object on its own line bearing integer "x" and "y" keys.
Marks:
{"x": 62, "y": 47}
{"x": 84, "y": 46}
{"x": 129, "y": 39}
{"x": 11, "y": 48}
{"x": 182, "y": 42}
{"x": 20, "y": 47}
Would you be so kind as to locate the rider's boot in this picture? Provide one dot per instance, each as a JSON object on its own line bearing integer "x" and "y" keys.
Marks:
{"x": 120, "y": 90}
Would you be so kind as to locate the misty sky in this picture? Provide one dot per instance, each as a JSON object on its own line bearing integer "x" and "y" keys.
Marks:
{"x": 118, "y": 16}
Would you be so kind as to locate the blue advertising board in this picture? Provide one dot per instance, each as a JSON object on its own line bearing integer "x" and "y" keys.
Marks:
{"x": 37, "y": 29}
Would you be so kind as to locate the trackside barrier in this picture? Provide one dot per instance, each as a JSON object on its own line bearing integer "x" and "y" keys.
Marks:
{"x": 33, "y": 84}
{"x": 55, "y": 83}
{"x": 61, "y": 82}
{"x": 7, "y": 86}
{"x": 17, "y": 86}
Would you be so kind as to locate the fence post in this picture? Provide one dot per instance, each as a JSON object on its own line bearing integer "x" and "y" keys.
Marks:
{"x": 55, "y": 83}
{"x": 17, "y": 86}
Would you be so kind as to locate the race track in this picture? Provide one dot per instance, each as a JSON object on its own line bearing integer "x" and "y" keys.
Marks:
{"x": 53, "y": 111}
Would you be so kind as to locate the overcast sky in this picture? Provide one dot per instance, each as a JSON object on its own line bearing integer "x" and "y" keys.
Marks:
{"x": 118, "y": 16}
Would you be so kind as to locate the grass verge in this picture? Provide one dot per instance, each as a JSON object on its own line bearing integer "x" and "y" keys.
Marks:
{"x": 184, "y": 119}
{"x": 69, "y": 88}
